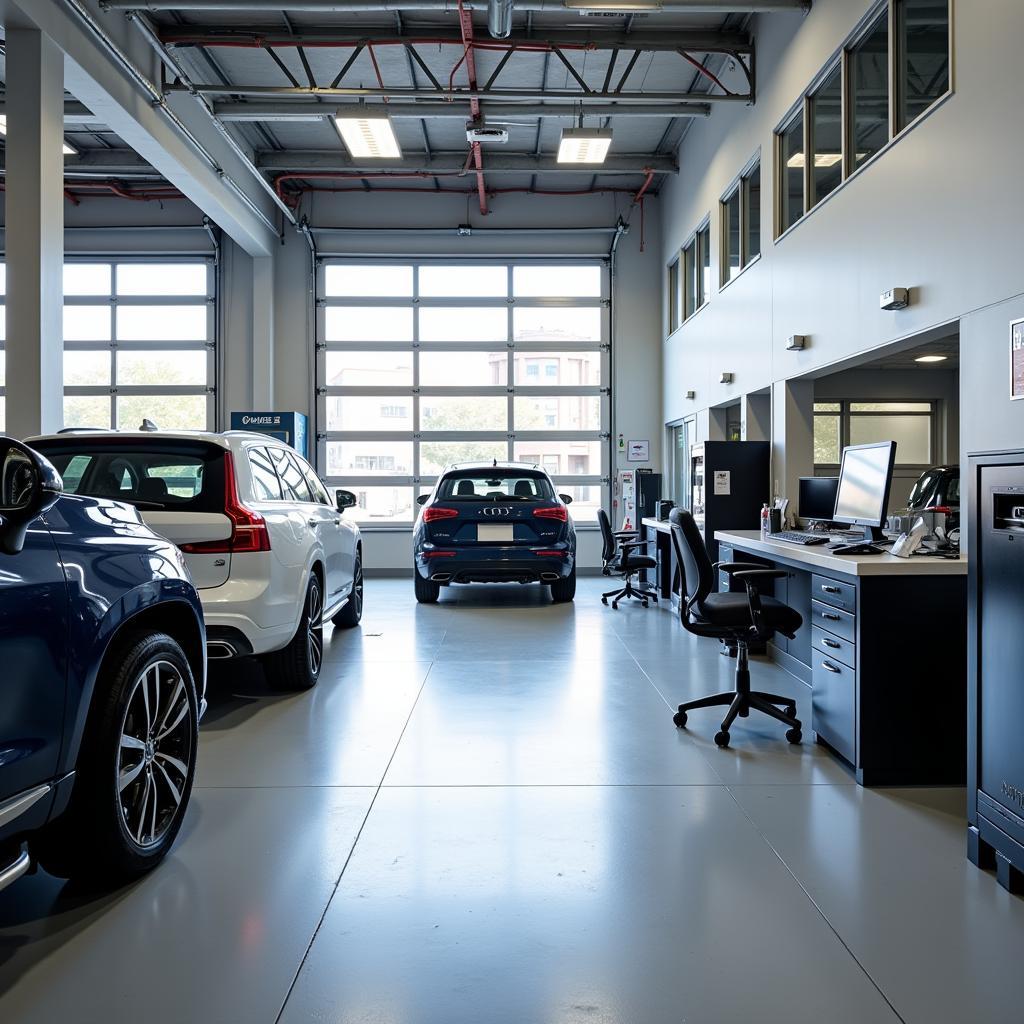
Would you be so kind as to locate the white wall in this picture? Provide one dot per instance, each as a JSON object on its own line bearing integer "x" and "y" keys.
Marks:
{"x": 939, "y": 212}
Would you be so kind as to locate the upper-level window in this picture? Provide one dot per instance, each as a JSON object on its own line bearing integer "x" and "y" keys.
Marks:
{"x": 696, "y": 258}
{"x": 741, "y": 223}
{"x": 879, "y": 83}
{"x": 674, "y": 296}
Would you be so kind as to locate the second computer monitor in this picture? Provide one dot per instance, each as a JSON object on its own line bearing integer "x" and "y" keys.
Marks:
{"x": 817, "y": 498}
{"x": 864, "y": 481}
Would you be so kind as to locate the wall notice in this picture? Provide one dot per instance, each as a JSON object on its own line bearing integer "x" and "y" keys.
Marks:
{"x": 723, "y": 481}
{"x": 638, "y": 451}
{"x": 1017, "y": 359}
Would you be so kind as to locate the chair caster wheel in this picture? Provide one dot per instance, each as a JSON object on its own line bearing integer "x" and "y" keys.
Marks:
{"x": 645, "y": 604}
{"x": 679, "y": 719}
{"x": 794, "y": 735}
{"x": 604, "y": 600}
{"x": 722, "y": 738}
{"x": 615, "y": 604}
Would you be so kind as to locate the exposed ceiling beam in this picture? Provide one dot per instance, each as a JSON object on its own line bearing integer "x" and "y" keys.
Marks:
{"x": 671, "y": 40}
{"x": 306, "y": 110}
{"x": 333, "y": 161}
{"x": 455, "y": 95}
{"x": 545, "y": 6}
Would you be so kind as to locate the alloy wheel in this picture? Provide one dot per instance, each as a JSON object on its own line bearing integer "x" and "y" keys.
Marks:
{"x": 357, "y": 588}
{"x": 157, "y": 738}
{"x": 315, "y": 628}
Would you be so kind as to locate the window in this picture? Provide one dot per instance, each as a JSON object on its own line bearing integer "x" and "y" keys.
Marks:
{"x": 674, "y": 317}
{"x": 923, "y": 32}
{"x": 293, "y": 483}
{"x": 697, "y": 270}
{"x": 910, "y": 424}
{"x": 266, "y": 486}
{"x": 741, "y": 223}
{"x": 138, "y": 344}
{"x": 881, "y": 82}
{"x": 475, "y": 361}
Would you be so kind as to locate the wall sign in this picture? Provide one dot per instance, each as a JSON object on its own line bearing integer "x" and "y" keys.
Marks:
{"x": 1016, "y": 359}
{"x": 723, "y": 482}
{"x": 638, "y": 451}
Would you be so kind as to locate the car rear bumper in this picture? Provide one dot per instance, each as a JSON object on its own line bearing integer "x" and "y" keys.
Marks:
{"x": 496, "y": 566}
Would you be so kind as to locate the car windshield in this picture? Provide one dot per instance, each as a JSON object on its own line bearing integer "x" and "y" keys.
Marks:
{"x": 495, "y": 485}
{"x": 187, "y": 477}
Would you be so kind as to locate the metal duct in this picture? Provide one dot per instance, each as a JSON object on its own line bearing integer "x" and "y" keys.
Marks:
{"x": 499, "y": 18}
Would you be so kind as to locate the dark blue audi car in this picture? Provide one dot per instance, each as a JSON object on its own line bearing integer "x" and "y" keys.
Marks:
{"x": 102, "y": 677}
{"x": 499, "y": 522}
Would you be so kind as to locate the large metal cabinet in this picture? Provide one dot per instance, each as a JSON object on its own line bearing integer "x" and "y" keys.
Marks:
{"x": 995, "y": 782}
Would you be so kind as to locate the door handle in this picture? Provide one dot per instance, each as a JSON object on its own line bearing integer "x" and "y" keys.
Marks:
{"x": 830, "y": 667}
{"x": 337, "y": 522}
{"x": 830, "y": 643}
{"x": 831, "y": 590}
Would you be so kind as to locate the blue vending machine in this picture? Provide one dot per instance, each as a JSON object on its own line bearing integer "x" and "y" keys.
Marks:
{"x": 290, "y": 427}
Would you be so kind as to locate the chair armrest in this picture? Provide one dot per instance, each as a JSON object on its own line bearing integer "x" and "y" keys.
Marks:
{"x": 754, "y": 575}
{"x": 635, "y": 544}
{"x": 626, "y": 533}
{"x": 731, "y": 567}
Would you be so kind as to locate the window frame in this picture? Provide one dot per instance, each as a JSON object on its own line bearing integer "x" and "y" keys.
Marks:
{"x": 674, "y": 293}
{"x": 418, "y": 480}
{"x": 695, "y": 254}
{"x": 739, "y": 185}
{"x": 845, "y": 413}
{"x": 805, "y": 106}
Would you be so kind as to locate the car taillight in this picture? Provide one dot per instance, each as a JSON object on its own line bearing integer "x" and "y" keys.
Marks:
{"x": 436, "y": 512}
{"x": 249, "y": 531}
{"x": 559, "y": 512}
{"x": 439, "y": 554}
{"x": 546, "y": 553}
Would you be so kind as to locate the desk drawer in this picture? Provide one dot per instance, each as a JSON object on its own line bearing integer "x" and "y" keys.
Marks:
{"x": 833, "y": 704}
{"x": 835, "y": 620}
{"x": 833, "y": 592}
{"x": 833, "y": 647}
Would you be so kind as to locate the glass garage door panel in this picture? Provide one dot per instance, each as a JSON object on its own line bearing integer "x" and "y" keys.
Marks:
{"x": 87, "y": 368}
{"x": 563, "y": 458}
{"x": 369, "y": 369}
{"x": 368, "y": 323}
{"x": 369, "y": 412}
{"x": 161, "y": 279}
{"x": 168, "y": 412}
{"x": 474, "y": 282}
{"x": 462, "y": 323}
{"x": 369, "y": 458}
{"x": 161, "y": 323}
{"x": 558, "y": 369}
{"x": 546, "y": 323}
{"x": 568, "y": 412}
{"x": 379, "y": 506}
{"x": 161, "y": 367}
{"x": 469, "y": 413}
{"x": 371, "y": 281}
{"x": 435, "y": 456}
{"x": 470, "y": 369}
{"x": 533, "y": 281}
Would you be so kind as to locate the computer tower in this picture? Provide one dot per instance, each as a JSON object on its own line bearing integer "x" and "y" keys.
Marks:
{"x": 730, "y": 482}
{"x": 995, "y": 677}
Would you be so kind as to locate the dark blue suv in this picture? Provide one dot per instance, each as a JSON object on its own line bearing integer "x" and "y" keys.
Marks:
{"x": 494, "y": 522}
{"x": 102, "y": 677}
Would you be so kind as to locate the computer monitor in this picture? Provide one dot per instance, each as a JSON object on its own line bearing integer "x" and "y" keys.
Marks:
{"x": 864, "y": 481}
{"x": 817, "y": 498}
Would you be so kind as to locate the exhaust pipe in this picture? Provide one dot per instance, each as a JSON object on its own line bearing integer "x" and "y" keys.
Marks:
{"x": 441, "y": 577}
{"x": 549, "y": 577}
{"x": 217, "y": 650}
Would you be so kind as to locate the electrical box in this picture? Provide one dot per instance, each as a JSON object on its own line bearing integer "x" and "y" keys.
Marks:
{"x": 895, "y": 298}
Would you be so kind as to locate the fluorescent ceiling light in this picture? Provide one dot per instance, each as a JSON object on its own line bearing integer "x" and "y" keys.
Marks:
{"x": 67, "y": 148}
{"x": 930, "y": 359}
{"x": 612, "y": 5}
{"x": 368, "y": 135}
{"x": 796, "y": 161}
{"x": 584, "y": 145}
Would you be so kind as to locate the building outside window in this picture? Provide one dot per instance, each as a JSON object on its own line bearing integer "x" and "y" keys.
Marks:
{"x": 138, "y": 343}
{"x": 485, "y": 360}
{"x": 741, "y": 223}
{"x": 696, "y": 258}
{"x": 674, "y": 297}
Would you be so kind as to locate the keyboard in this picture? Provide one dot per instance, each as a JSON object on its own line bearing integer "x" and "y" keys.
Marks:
{"x": 800, "y": 537}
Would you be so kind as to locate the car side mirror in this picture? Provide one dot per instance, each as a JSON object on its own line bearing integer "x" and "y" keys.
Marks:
{"x": 566, "y": 499}
{"x": 423, "y": 499}
{"x": 29, "y": 486}
{"x": 345, "y": 499}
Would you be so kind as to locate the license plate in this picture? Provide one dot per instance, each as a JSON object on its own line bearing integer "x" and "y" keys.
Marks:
{"x": 487, "y": 534}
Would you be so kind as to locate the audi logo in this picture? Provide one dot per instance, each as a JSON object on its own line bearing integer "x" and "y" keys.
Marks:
{"x": 495, "y": 511}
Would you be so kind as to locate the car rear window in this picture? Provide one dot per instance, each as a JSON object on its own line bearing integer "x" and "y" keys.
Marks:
{"x": 185, "y": 476}
{"x": 495, "y": 485}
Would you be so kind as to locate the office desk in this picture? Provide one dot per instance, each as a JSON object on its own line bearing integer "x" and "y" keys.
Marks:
{"x": 660, "y": 533}
{"x": 883, "y": 648}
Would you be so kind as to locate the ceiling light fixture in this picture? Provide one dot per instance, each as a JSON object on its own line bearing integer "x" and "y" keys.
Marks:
{"x": 584, "y": 145}
{"x": 930, "y": 359}
{"x": 612, "y": 5}
{"x": 368, "y": 135}
{"x": 66, "y": 148}
{"x": 796, "y": 161}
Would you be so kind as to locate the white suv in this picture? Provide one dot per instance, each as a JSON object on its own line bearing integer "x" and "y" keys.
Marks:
{"x": 271, "y": 554}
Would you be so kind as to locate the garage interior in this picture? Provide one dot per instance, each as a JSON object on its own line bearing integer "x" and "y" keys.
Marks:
{"x": 483, "y": 811}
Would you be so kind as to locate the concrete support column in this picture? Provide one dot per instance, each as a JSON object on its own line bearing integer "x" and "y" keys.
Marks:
{"x": 756, "y": 417}
{"x": 263, "y": 332}
{"x": 792, "y": 436}
{"x": 34, "y": 233}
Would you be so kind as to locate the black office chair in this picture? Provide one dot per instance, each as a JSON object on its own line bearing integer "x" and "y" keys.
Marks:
{"x": 620, "y": 560}
{"x": 736, "y": 618}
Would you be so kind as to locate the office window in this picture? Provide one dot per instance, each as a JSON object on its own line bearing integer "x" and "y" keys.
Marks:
{"x": 869, "y": 91}
{"x": 923, "y": 63}
{"x": 792, "y": 157}
{"x": 421, "y": 364}
{"x": 827, "y": 135}
{"x": 910, "y": 424}
{"x": 704, "y": 257}
{"x": 697, "y": 270}
{"x": 673, "y": 296}
{"x": 741, "y": 223}
{"x": 690, "y": 279}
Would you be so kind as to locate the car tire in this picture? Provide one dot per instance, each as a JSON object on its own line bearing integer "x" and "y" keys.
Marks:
{"x": 135, "y": 769}
{"x": 564, "y": 590}
{"x": 427, "y": 591}
{"x": 351, "y": 615}
{"x": 297, "y": 666}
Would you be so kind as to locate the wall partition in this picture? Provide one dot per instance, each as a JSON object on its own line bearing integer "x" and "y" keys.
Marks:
{"x": 421, "y": 364}
{"x": 139, "y": 340}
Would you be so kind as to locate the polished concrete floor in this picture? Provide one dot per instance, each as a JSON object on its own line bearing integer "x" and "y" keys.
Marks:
{"x": 483, "y": 814}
